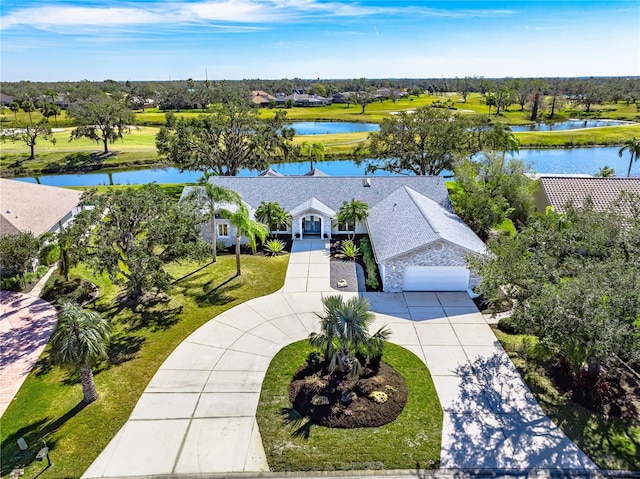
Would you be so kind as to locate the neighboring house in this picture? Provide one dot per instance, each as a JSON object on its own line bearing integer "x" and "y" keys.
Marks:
{"x": 558, "y": 191}
{"x": 418, "y": 242}
{"x": 302, "y": 99}
{"x": 262, "y": 98}
{"x": 6, "y": 99}
{"x": 36, "y": 208}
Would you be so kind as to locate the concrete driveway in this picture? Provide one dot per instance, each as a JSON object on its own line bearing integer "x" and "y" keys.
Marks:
{"x": 197, "y": 415}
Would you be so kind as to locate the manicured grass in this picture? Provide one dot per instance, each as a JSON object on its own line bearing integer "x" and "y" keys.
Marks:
{"x": 610, "y": 443}
{"x": 610, "y": 135}
{"x": 173, "y": 190}
{"x": 47, "y": 406}
{"x": 414, "y": 437}
{"x": 140, "y": 138}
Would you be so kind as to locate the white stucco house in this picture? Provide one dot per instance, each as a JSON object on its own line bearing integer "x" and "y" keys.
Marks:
{"x": 419, "y": 243}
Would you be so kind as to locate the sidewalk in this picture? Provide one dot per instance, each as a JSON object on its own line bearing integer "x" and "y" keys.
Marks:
{"x": 26, "y": 322}
{"x": 197, "y": 415}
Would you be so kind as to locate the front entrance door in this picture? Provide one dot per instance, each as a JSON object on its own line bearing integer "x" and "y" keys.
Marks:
{"x": 311, "y": 225}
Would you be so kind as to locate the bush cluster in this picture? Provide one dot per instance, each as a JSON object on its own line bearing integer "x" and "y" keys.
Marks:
{"x": 370, "y": 263}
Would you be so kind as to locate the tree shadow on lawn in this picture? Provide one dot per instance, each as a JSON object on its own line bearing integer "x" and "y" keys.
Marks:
{"x": 33, "y": 434}
{"x": 122, "y": 348}
{"x": 147, "y": 312}
{"x": 219, "y": 295}
{"x": 80, "y": 159}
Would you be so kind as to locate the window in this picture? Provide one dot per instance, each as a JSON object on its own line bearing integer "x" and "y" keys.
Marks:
{"x": 223, "y": 229}
{"x": 346, "y": 227}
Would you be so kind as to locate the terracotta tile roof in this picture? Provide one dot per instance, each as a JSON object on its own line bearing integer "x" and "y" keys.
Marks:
{"x": 31, "y": 207}
{"x": 560, "y": 190}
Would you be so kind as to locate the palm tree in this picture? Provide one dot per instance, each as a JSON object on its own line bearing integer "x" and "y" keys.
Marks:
{"x": 246, "y": 227}
{"x": 212, "y": 196}
{"x": 633, "y": 146}
{"x": 315, "y": 151}
{"x": 351, "y": 212}
{"x": 273, "y": 215}
{"x": 79, "y": 341}
{"x": 344, "y": 335}
{"x": 14, "y": 106}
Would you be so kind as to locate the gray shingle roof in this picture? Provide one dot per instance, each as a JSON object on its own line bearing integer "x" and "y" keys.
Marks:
{"x": 406, "y": 221}
{"x": 270, "y": 172}
{"x": 312, "y": 204}
{"x": 315, "y": 172}
{"x": 291, "y": 191}
{"x": 560, "y": 190}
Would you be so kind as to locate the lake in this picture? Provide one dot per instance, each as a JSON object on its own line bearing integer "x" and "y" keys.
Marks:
{"x": 556, "y": 160}
{"x": 329, "y": 127}
{"x": 569, "y": 125}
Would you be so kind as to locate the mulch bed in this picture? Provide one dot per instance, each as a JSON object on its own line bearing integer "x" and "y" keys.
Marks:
{"x": 616, "y": 394}
{"x": 350, "y": 402}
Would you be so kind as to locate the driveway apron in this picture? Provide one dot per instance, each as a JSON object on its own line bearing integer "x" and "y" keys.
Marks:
{"x": 197, "y": 415}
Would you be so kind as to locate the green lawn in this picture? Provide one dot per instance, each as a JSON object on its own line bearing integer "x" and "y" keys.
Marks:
{"x": 610, "y": 135}
{"x": 47, "y": 405}
{"x": 610, "y": 443}
{"x": 414, "y": 437}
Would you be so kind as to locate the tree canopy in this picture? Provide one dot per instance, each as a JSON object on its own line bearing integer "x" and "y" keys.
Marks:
{"x": 230, "y": 137}
{"x": 138, "y": 229}
{"x": 425, "y": 142}
{"x": 491, "y": 188}
{"x": 574, "y": 280}
{"x": 18, "y": 251}
{"x": 101, "y": 119}
{"x": 29, "y": 133}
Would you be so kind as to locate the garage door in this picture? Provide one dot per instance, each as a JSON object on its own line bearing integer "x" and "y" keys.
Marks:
{"x": 436, "y": 278}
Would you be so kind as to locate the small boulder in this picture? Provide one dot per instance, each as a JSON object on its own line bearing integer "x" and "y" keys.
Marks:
{"x": 318, "y": 400}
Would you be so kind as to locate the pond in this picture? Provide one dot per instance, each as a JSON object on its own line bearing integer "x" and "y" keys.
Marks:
{"x": 569, "y": 125}
{"x": 329, "y": 127}
{"x": 555, "y": 161}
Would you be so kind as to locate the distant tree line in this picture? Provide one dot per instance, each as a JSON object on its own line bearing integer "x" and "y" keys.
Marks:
{"x": 192, "y": 94}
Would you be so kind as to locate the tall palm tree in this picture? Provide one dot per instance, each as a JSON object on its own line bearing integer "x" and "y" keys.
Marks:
{"x": 79, "y": 341}
{"x": 351, "y": 212}
{"x": 344, "y": 334}
{"x": 246, "y": 227}
{"x": 211, "y": 196}
{"x": 315, "y": 151}
{"x": 273, "y": 215}
{"x": 633, "y": 146}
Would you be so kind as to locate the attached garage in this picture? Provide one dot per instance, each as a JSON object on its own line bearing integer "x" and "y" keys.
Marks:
{"x": 435, "y": 278}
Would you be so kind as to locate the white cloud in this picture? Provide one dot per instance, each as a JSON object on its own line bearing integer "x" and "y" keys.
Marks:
{"x": 206, "y": 11}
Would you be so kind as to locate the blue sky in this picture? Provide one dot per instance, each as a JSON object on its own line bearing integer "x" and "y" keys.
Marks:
{"x": 235, "y": 39}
